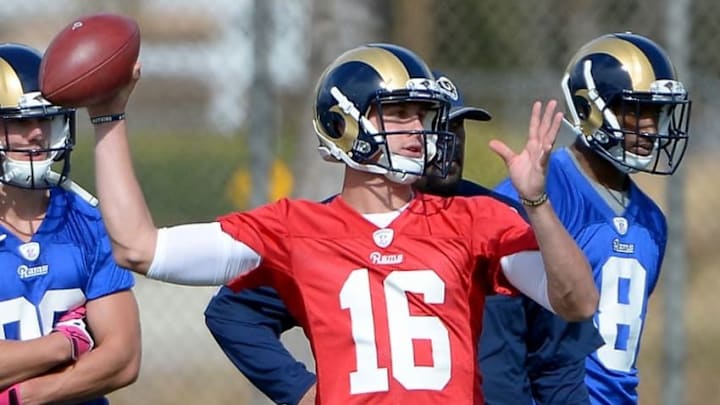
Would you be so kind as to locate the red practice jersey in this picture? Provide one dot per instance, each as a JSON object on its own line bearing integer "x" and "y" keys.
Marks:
{"x": 393, "y": 314}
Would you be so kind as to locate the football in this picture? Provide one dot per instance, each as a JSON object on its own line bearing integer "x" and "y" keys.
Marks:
{"x": 90, "y": 60}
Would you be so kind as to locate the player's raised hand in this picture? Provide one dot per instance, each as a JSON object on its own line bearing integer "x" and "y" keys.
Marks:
{"x": 527, "y": 169}
{"x": 116, "y": 103}
{"x": 72, "y": 325}
{"x": 10, "y": 396}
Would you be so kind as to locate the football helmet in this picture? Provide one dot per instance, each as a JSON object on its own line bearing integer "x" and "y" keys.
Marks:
{"x": 618, "y": 75}
{"x": 20, "y": 99}
{"x": 370, "y": 77}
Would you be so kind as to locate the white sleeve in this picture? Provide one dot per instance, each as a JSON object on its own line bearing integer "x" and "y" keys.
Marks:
{"x": 526, "y": 271}
{"x": 200, "y": 254}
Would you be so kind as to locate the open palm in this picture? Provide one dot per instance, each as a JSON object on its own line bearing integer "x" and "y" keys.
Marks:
{"x": 527, "y": 169}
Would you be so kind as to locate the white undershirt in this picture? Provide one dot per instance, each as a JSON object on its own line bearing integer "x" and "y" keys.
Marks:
{"x": 383, "y": 219}
{"x": 203, "y": 254}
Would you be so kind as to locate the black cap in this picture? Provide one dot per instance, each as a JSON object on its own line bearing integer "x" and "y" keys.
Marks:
{"x": 458, "y": 109}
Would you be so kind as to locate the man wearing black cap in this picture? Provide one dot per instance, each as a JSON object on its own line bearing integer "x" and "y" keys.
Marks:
{"x": 453, "y": 184}
{"x": 247, "y": 325}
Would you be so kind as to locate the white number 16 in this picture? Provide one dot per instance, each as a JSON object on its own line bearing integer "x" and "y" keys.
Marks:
{"x": 403, "y": 328}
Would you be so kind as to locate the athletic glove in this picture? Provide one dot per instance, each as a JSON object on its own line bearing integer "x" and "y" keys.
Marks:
{"x": 10, "y": 396}
{"x": 72, "y": 325}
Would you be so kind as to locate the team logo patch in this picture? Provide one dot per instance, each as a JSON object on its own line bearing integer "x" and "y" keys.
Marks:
{"x": 621, "y": 225}
{"x": 30, "y": 251}
{"x": 383, "y": 237}
{"x": 622, "y": 247}
{"x": 379, "y": 258}
{"x": 28, "y": 272}
{"x": 447, "y": 87}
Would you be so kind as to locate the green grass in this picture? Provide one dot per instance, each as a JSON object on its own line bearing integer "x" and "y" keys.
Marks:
{"x": 482, "y": 165}
{"x": 183, "y": 177}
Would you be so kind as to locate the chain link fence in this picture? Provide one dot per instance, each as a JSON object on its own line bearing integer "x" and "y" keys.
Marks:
{"x": 221, "y": 121}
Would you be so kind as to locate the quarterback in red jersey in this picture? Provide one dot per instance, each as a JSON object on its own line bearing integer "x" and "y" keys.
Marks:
{"x": 388, "y": 283}
{"x": 390, "y": 312}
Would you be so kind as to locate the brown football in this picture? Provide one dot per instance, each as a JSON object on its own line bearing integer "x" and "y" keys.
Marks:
{"x": 90, "y": 60}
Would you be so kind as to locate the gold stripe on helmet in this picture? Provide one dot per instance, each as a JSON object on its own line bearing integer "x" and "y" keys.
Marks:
{"x": 388, "y": 66}
{"x": 640, "y": 69}
{"x": 10, "y": 86}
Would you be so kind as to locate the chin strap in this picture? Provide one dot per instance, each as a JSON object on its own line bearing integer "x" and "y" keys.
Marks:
{"x": 53, "y": 178}
{"x": 25, "y": 174}
{"x": 402, "y": 178}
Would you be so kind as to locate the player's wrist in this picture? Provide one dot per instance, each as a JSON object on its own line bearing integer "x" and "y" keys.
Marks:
{"x": 534, "y": 201}
{"x": 109, "y": 106}
{"x": 106, "y": 118}
{"x": 70, "y": 350}
{"x": 63, "y": 346}
{"x": 72, "y": 326}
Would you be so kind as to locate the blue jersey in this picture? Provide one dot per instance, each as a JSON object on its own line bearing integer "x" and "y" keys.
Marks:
{"x": 66, "y": 263}
{"x": 625, "y": 252}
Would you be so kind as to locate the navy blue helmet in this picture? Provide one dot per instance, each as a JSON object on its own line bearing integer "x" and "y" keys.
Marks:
{"x": 370, "y": 77}
{"x": 623, "y": 74}
{"x": 29, "y": 165}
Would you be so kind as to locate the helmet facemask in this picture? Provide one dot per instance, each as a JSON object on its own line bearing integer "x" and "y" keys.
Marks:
{"x": 31, "y": 167}
{"x": 667, "y": 144}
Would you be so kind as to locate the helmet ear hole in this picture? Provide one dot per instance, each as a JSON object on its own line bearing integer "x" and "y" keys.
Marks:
{"x": 582, "y": 106}
{"x": 333, "y": 123}
{"x": 339, "y": 126}
{"x": 337, "y": 123}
